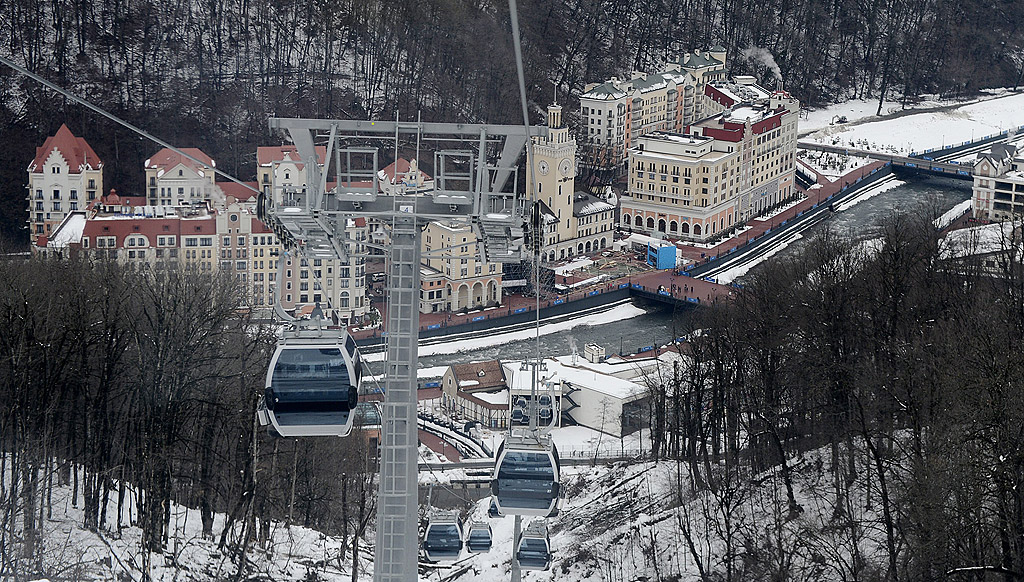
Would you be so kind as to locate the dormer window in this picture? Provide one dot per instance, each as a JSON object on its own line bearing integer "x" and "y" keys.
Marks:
{"x": 55, "y": 169}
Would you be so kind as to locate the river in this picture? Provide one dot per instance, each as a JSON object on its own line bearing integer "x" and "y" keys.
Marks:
{"x": 659, "y": 325}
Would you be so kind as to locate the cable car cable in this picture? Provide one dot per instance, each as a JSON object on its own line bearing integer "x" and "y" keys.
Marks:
{"x": 116, "y": 119}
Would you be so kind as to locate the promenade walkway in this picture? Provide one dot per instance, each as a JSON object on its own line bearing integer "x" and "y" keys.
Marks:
{"x": 667, "y": 283}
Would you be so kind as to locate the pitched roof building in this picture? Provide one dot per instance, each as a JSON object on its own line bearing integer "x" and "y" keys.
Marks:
{"x": 173, "y": 179}
{"x": 63, "y": 177}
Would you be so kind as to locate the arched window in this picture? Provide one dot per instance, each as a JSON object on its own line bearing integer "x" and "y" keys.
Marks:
{"x": 639, "y": 221}
{"x": 696, "y": 230}
{"x": 650, "y": 223}
{"x": 661, "y": 225}
{"x": 588, "y": 246}
{"x": 684, "y": 228}
{"x": 673, "y": 226}
{"x": 627, "y": 219}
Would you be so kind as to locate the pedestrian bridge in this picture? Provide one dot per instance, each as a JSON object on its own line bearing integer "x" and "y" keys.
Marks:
{"x": 923, "y": 163}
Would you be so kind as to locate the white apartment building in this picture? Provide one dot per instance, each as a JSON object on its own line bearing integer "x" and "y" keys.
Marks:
{"x": 339, "y": 287}
{"x": 404, "y": 177}
{"x": 65, "y": 175}
{"x": 174, "y": 180}
{"x": 453, "y": 277}
{"x": 998, "y": 192}
{"x": 617, "y": 112}
{"x": 726, "y": 169}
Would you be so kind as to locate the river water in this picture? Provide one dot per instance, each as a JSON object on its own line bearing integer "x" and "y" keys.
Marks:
{"x": 659, "y": 325}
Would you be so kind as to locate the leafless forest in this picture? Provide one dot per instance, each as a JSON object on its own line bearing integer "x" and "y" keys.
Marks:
{"x": 208, "y": 73}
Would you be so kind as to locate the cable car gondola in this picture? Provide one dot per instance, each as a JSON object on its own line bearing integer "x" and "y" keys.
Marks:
{"x": 534, "y": 550}
{"x": 478, "y": 540}
{"x": 442, "y": 542}
{"x": 526, "y": 476}
{"x": 312, "y": 384}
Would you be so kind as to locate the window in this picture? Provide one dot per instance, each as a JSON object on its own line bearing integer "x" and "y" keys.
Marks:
{"x": 227, "y": 241}
{"x": 56, "y": 206}
{"x": 206, "y": 241}
{"x": 191, "y": 241}
{"x": 56, "y": 194}
{"x": 241, "y": 241}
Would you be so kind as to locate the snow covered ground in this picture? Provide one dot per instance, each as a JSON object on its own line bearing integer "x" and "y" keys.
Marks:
{"x": 71, "y": 552}
{"x": 617, "y": 313}
{"x": 951, "y": 124}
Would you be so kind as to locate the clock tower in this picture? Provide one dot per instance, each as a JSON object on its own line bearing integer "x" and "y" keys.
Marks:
{"x": 555, "y": 159}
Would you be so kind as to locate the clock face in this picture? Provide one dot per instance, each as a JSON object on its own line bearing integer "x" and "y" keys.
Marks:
{"x": 543, "y": 168}
{"x": 565, "y": 167}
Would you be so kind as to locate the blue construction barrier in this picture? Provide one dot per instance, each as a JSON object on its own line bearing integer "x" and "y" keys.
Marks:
{"x": 481, "y": 317}
{"x": 592, "y": 293}
{"x": 434, "y": 326}
{"x": 520, "y": 310}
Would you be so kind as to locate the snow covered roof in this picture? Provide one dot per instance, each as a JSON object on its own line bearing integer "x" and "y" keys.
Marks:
{"x": 69, "y": 232}
{"x": 564, "y": 372}
{"x": 696, "y": 60}
{"x": 586, "y": 204}
{"x": 479, "y": 376}
{"x": 608, "y": 91}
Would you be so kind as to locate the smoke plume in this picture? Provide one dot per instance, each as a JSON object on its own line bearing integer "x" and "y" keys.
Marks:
{"x": 762, "y": 57}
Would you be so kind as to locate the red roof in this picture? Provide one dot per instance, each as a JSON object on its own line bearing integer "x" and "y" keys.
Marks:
{"x": 360, "y": 222}
{"x": 41, "y": 241}
{"x": 402, "y": 165}
{"x": 239, "y": 191}
{"x": 75, "y": 151}
{"x": 257, "y": 227}
{"x": 167, "y": 158}
{"x": 267, "y": 155}
{"x": 150, "y": 227}
{"x": 114, "y": 198}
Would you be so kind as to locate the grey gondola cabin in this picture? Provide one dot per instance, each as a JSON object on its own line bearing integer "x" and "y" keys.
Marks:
{"x": 312, "y": 384}
{"x": 526, "y": 476}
